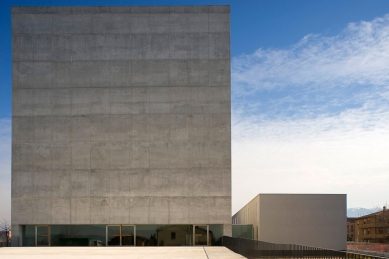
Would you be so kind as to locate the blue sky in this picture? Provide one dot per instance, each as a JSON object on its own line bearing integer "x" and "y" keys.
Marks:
{"x": 310, "y": 97}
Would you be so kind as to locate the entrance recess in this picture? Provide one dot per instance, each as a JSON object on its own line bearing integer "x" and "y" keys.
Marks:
{"x": 200, "y": 235}
{"x": 42, "y": 235}
{"x": 120, "y": 235}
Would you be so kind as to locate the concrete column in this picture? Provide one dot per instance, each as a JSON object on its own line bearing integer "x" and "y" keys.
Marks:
{"x": 227, "y": 230}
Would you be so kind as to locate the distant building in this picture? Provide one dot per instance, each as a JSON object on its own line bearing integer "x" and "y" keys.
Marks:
{"x": 316, "y": 220}
{"x": 373, "y": 228}
{"x": 350, "y": 229}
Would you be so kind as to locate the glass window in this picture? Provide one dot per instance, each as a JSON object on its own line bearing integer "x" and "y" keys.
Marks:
{"x": 215, "y": 235}
{"x": 161, "y": 235}
{"x": 113, "y": 235}
{"x": 127, "y": 235}
{"x": 244, "y": 231}
{"x": 184, "y": 235}
{"x": 28, "y": 235}
{"x": 146, "y": 235}
{"x": 200, "y": 235}
{"x": 42, "y": 235}
{"x": 77, "y": 235}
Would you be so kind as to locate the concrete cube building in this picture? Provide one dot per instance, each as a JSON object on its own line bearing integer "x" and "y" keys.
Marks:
{"x": 121, "y": 125}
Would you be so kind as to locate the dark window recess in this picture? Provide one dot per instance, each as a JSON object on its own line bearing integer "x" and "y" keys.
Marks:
{"x": 173, "y": 235}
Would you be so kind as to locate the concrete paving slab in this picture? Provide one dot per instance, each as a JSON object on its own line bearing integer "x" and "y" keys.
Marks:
{"x": 118, "y": 252}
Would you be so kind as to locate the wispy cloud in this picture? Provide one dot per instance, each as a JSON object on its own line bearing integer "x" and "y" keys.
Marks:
{"x": 314, "y": 117}
{"x": 357, "y": 56}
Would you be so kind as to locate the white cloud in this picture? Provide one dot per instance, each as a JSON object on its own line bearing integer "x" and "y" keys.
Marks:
{"x": 314, "y": 118}
{"x": 350, "y": 164}
{"x": 359, "y": 55}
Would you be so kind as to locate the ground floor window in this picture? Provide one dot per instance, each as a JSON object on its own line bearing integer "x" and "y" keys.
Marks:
{"x": 242, "y": 231}
{"x": 122, "y": 235}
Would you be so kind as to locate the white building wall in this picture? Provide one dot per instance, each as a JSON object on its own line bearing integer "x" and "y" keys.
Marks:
{"x": 317, "y": 220}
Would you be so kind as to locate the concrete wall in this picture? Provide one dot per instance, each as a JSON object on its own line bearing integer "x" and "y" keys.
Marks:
{"x": 317, "y": 220}
{"x": 121, "y": 115}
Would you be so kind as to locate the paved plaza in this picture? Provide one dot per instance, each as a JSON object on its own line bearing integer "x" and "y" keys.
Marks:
{"x": 197, "y": 252}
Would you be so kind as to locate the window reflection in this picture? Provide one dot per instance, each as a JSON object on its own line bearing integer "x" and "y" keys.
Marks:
{"x": 244, "y": 231}
{"x": 77, "y": 235}
{"x": 116, "y": 235}
{"x": 42, "y": 235}
{"x": 164, "y": 235}
{"x": 28, "y": 235}
{"x": 127, "y": 235}
{"x": 182, "y": 235}
{"x": 200, "y": 235}
{"x": 146, "y": 235}
{"x": 113, "y": 235}
{"x": 215, "y": 235}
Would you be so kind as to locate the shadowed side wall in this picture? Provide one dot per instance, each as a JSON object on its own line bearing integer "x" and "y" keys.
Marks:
{"x": 121, "y": 115}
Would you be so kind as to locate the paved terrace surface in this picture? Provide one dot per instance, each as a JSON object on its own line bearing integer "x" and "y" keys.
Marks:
{"x": 198, "y": 252}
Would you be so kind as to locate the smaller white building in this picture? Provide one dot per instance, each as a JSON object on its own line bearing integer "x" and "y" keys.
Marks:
{"x": 317, "y": 220}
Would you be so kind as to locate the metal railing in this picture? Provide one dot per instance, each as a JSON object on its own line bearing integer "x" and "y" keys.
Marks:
{"x": 259, "y": 249}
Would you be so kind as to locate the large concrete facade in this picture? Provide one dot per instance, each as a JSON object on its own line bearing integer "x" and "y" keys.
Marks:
{"x": 317, "y": 220}
{"x": 121, "y": 115}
